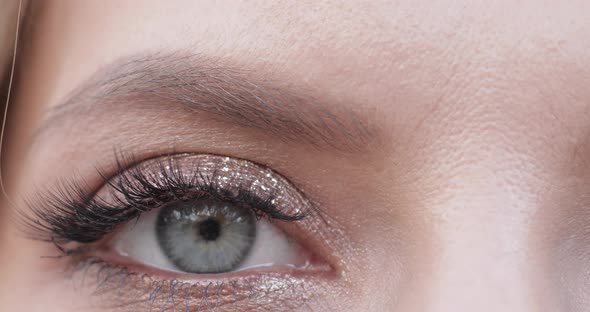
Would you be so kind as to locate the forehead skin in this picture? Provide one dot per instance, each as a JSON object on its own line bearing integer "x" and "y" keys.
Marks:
{"x": 483, "y": 109}
{"x": 403, "y": 65}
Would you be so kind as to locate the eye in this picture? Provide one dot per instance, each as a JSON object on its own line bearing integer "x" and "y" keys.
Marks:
{"x": 206, "y": 236}
{"x": 169, "y": 229}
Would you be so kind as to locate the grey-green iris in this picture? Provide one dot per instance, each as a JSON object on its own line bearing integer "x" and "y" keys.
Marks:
{"x": 205, "y": 236}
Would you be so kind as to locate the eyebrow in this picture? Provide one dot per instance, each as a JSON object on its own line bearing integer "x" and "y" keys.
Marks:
{"x": 233, "y": 95}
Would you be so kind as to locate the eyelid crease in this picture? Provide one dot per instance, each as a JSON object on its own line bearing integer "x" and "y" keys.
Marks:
{"x": 72, "y": 214}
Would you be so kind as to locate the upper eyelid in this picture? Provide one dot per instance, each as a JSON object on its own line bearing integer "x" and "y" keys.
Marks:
{"x": 100, "y": 209}
{"x": 172, "y": 169}
{"x": 205, "y": 183}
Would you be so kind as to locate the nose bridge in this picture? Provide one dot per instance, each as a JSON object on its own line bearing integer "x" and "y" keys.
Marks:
{"x": 482, "y": 254}
{"x": 482, "y": 215}
{"x": 483, "y": 178}
{"x": 482, "y": 228}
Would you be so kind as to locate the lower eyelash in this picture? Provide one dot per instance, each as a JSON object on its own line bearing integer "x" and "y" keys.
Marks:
{"x": 139, "y": 291}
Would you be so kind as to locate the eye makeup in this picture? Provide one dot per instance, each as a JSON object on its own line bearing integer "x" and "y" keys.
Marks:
{"x": 70, "y": 214}
{"x": 82, "y": 224}
{"x": 125, "y": 288}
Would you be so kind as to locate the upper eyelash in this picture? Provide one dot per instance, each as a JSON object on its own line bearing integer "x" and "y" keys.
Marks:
{"x": 73, "y": 214}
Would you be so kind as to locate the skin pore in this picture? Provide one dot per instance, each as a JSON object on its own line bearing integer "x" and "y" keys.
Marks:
{"x": 446, "y": 142}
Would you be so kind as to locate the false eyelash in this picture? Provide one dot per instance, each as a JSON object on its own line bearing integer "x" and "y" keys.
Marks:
{"x": 73, "y": 214}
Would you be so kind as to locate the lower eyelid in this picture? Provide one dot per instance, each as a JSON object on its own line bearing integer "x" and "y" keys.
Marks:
{"x": 122, "y": 287}
{"x": 158, "y": 274}
{"x": 138, "y": 287}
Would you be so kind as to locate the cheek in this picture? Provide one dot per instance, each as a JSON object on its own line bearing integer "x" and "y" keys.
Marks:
{"x": 32, "y": 286}
{"x": 567, "y": 246}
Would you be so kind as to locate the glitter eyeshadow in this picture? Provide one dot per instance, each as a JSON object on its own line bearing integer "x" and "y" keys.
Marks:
{"x": 233, "y": 175}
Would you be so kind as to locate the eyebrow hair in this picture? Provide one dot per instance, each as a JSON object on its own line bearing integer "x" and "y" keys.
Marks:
{"x": 237, "y": 96}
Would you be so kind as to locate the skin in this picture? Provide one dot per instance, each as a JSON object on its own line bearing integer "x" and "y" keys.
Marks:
{"x": 470, "y": 193}
{"x": 8, "y": 17}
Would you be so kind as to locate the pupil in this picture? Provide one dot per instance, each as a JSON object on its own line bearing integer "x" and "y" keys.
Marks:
{"x": 209, "y": 229}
